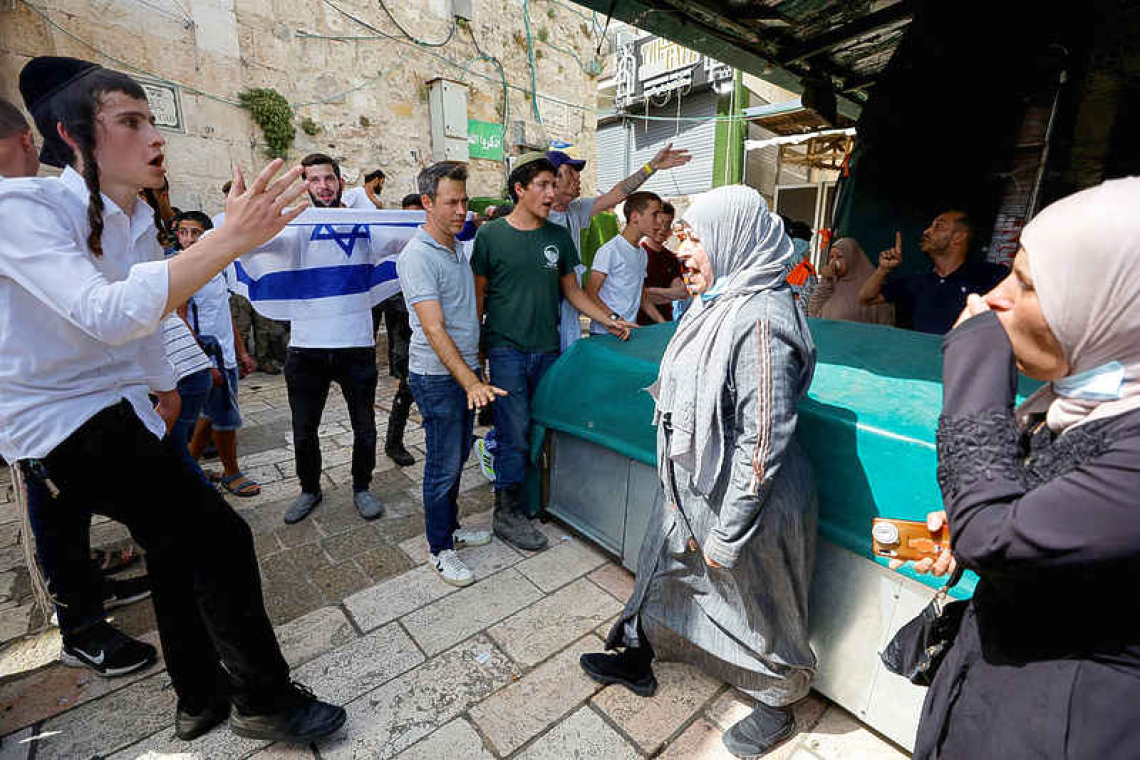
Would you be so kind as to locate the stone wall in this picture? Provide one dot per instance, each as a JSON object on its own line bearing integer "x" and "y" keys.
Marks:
{"x": 366, "y": 92}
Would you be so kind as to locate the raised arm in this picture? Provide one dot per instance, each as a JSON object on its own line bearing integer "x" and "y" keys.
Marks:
{"x": 871, "y": 294}
{"x": 666, "y": 158}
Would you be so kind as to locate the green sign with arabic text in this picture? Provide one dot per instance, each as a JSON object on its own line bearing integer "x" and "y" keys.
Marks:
{"x": 485, "y": 140}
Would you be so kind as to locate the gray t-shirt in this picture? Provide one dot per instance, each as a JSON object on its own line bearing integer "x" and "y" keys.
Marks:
{"x": 575, "y": 218}
{"x": 430, "y": 272}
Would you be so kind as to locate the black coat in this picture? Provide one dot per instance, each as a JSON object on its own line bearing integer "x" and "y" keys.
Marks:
{"x": 1047, "y": 663}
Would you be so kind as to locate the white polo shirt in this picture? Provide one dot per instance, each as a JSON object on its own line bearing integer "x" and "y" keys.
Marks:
{"x": 77, "y": 332}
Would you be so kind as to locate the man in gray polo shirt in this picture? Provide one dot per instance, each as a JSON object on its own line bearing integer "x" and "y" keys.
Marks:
{"x": 439, "y": 288}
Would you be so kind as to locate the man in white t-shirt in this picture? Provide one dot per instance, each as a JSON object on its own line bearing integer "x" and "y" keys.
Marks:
{"x": 617, "y": 277}
{"x": 367, "y": 196}
{"x": 324, "y": 351}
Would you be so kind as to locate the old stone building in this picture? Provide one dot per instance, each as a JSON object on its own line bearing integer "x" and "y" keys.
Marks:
{"x": 356, "y": 75}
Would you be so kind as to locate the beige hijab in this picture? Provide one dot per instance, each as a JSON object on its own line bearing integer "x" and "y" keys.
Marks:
{"x": 843, "y": 303}
{"x": 1084, "y": 257}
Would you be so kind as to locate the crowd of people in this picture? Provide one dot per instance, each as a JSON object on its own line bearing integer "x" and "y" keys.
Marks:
{"x": 140, "y": 345}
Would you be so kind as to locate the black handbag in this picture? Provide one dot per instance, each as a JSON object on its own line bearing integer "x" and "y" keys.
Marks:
{"x": 918, "y": 648}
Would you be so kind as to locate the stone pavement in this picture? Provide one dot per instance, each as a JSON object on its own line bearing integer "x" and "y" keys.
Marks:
{"x": 426, "y": 670}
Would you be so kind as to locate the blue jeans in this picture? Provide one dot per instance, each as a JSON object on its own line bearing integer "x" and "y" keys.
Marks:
{"x": 193, "y": 389}
{"x": 518, "y": 374}
{"x": 448, "y": 425}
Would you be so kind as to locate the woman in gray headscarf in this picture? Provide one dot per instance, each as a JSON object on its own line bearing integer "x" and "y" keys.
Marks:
{"x": 723, "y": 575}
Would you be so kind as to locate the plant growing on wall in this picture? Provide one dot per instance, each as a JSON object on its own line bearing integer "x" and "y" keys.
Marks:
{"x": 310, "y": 127}
{"x": 272, "y": 113}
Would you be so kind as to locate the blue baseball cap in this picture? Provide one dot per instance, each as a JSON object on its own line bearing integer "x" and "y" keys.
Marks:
{"x": 558, "y": 158}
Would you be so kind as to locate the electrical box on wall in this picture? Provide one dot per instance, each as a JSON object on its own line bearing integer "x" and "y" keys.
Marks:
{"x": 463, "y": 9}
{"x": 447, "y": 101}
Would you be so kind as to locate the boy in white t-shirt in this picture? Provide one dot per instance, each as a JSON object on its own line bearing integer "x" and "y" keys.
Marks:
{"x": 617, "y": 278}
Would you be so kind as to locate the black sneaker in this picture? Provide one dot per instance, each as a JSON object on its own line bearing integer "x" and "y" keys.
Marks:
{"x": 301, "y": 718}
{"x": 191, "y": 721}
{"x": 629, "y": 668}
{"x": 107, "y": 651}
{"x": 124, "y": 591}
{"x": 759, "y": 733}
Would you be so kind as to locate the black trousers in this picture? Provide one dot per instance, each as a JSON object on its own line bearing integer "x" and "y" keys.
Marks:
{"x": 309, "y": 372}
{"x": 200, "y": 554}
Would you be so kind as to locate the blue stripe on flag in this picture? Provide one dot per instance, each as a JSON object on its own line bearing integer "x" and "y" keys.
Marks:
{"x": 318, "y": 282}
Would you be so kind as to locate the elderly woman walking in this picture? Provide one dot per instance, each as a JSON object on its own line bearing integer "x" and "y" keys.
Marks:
{"x": 723, "y": 575}
{"x": 1042, "y": 500}
{"x": 837, "y": 295}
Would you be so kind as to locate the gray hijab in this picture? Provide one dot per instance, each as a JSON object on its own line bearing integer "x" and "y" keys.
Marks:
{"x": 748, "y": 250}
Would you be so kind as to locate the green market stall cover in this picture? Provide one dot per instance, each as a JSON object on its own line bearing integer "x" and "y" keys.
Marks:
{"x": 868, "y": 423}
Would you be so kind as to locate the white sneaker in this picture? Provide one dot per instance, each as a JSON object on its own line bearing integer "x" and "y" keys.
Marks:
{"x": 451, "y": 568}
{"x": 486, "y": 461}
{"x": 465, "y": 537}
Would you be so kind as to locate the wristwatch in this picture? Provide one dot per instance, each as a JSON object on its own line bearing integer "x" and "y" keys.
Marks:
{"x": 615, "y": 316}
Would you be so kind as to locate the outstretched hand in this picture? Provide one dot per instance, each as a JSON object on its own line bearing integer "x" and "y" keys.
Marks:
{"x": 667, "y": 158}
{"x": 257, "y": 214}
{"x": 892, "y": 257}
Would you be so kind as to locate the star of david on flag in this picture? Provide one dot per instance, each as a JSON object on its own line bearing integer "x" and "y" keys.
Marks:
{"x": 327, "y": 262}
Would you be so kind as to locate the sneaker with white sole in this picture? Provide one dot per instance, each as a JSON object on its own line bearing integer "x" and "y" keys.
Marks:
{"x": 451, "y": 568}
{"x": 465, "y": 537}
{"x": 486, "y": 461}
{"x": 107, "y": 651}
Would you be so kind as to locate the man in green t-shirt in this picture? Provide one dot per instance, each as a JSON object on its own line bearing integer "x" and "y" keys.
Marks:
{"x": 522, "y": 263}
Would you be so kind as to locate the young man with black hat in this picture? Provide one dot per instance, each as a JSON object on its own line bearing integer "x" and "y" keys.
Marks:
{"x": 80, "y": 264}
{"x": 522, "y": 264}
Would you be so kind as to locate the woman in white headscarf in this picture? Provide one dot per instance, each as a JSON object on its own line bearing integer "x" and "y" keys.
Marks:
{"x": 723, "y": 575}
{"x": 1042, "y": 500}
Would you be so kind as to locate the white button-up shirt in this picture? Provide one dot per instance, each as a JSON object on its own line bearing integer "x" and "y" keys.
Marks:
{"x": 77, "y": 333}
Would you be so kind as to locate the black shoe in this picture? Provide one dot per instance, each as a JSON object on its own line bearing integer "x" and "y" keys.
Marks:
{"x": 119, "y": 592}
{"x": 627, "y": 668}
{"x": 106, "y": 650}
{"x": 760, "y": 732}
{"x": 400, "y": 455}
{"x": 302, "y": 718}
{"x": 191, "y": 722}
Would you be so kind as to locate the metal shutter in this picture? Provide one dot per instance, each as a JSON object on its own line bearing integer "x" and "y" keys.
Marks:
{"x": 611, "y": 142}
{"x": 698, "y": 137}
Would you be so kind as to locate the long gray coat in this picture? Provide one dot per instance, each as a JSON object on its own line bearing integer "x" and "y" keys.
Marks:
{"x": 745, "y": 623}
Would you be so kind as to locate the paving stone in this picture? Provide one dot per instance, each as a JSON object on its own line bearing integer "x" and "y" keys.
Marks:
{"x": 335, "y": 582}
{"x": 289, "y": 597}
{"x": 616, "y": 580}
{"x": 266, "y": 436}
{"x": 392, "y": 479}
{"x": 14, "y": 621}
{"x": 290, "y": 563}
{"x": 30, "y": 653}
{"x": 838, "y": 735}
{"x": 263, "y": 474}
{"x": 9, "y": 534}
{"x": 405, "y": 710}
{"x": 297, "y": 534}
{"x": 14, "y": 746}
{"x": 266, "y": 544}
{"x": 682, "y": 690}
{"x": 529, "y": 706}
{"x": 105, "y": 725}
{"x": 455, "y": 741}
{"x": 395, "y": 597}
{"x": 337, "y": 514}
{"x": 219, "y": 744}
{"x": 402, "y": 502}
{"x": 453, "y": 618}
{"x": 314, "y": 634}
{"x": 587, "y": 734}
{"x": 108, "y": 533}
{"x": 284, "y": 752}
{"x": 286, "y": 488}
{"x": 353, "y": 542}
{"x": 361, "y": 665}
{"x": 269, "y": 456}
{"x": 700, "y": 740}
{"x": 560, "y": 564}
{"x": 35, "y": 695}
{"x": 383, "y": 562}
{"x": 545, "y": 627}
{"x": 397, "y": 529}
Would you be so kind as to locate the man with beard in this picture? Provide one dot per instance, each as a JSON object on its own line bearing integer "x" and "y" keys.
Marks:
{"x": 322, "y": 351}
{"x": 931, "y": 301}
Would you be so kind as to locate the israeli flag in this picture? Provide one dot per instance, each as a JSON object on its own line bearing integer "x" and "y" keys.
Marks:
{"x": 327, "y": 262}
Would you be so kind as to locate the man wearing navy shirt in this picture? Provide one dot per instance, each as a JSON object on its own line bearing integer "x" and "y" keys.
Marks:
{"x": 931, "y": 301}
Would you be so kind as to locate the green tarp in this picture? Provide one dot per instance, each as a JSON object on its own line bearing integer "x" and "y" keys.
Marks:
{"x": 868, "y": 423}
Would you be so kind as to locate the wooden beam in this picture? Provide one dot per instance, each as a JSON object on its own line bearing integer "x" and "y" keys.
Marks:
{"x": 846, "y": 33}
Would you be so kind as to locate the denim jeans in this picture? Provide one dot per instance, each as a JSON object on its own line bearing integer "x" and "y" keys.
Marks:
{"x": 308, "y": 374}
{"x": 518, "y": 374}
{"x": 193, "y": 389}
{"x": 448, "y": 425}
{"x": 199, "y": 554}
